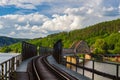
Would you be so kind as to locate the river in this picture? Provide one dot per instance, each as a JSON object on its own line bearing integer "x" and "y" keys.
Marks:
{"x": 103, "y": 67}
{"x": 6, "y": 56}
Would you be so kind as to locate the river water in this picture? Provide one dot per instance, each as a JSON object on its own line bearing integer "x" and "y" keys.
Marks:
{"x": 103, "y": 67}
{"x": 6, "y": 56}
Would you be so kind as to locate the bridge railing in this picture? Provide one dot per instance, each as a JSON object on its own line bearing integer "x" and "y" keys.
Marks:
{"x": 68, "y": 50}
{"x": 79, "y": 63}
{"x": 8, "y": 67}
{"x": 28, "y": 50}
{"x": 45, "y": 50}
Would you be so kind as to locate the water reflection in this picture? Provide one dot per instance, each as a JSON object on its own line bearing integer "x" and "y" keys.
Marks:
{"x": 102, "y": 67}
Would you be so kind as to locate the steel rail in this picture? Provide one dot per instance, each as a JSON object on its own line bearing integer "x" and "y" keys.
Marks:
{"x": 58, "y": 72}
{"x": 62, "y": 75}
{"x": 35, "y": 69}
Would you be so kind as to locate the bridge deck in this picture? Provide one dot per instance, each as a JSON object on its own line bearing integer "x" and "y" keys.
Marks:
{"x": 21, "y": 71}
{"x": 22, "y": 74}
{"x": 23, "y": 66}
{"x": 73, "y": 73}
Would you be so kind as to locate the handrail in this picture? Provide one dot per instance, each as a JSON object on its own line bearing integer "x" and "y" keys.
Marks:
{"x": 93, "y": 70}
{"x": 47, "y": 50}
{"x": 8, "y": 67}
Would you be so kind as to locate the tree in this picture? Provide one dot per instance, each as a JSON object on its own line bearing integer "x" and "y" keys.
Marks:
{"x": 6, "y": 49}
{"x": 100, "y": 47}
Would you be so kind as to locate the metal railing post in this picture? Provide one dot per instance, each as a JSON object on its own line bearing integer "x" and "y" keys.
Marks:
{"x": 12, "y": 68}
{"x": 71, "y": 62}
{"x": 0, "y": 73}
{"x": 117, "y": 71}
{"x": 93, "y": 69}
{"x": 83, "y": 66}
{"x": 9, "y": 69}
{"x": 66, "y": 61}
{"x": 6, "y": 71}
{"x": 77, "y": 61}
{"x": 2, "y": 76}
{"x": 13, "y": 64}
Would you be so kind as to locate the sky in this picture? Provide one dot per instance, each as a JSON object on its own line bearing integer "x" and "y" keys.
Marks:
{"x": 39, "y": 18}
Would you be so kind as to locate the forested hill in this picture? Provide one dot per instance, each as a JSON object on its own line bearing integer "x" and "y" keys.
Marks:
{"x": 104, "y": 28}
{"x": 104, "y": 37}
{"x": 5, "y": 41}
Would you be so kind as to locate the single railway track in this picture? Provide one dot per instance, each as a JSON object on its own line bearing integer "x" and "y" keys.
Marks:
{"x": 35, "y": 70}
{"x": 45, "y": 71}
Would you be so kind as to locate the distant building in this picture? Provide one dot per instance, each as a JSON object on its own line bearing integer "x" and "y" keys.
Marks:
{"x": 81, "y": 47}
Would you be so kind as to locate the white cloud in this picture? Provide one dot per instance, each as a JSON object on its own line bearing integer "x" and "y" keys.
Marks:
{"x": 72, "y": 15}
{"x": 79, "y": 11}
{"x": 108, "y": 9}
{"x": 119, "y": 9}
{"x": 15, "y": 25}
{"x": 35, "y": 28}
{"x": 90, "y": 11}
{"x": 12, "y": 33}
{"x": 36, "y": 23}
{"x": 92, "y": 3}
{"x": 27, "y": 4}
{"x": 24, "y": 27}
{"x": 1, "y": 26}
{"x": 63, "y": 23}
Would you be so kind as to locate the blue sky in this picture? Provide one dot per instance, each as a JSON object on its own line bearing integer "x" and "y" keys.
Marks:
{"x": 38, "y": 18}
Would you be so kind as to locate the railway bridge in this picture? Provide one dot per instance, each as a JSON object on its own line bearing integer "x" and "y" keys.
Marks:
{"x": 52, "y": 64}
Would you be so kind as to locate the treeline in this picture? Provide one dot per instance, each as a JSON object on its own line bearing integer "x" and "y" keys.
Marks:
{"x": 107, "y": 45}
{"x": 102, "y": 38}
{"x": 5, "y": 41}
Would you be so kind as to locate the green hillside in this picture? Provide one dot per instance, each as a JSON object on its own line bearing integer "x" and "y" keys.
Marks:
{"x": 102, "y": 38}
{"x": 5, "y": 41}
